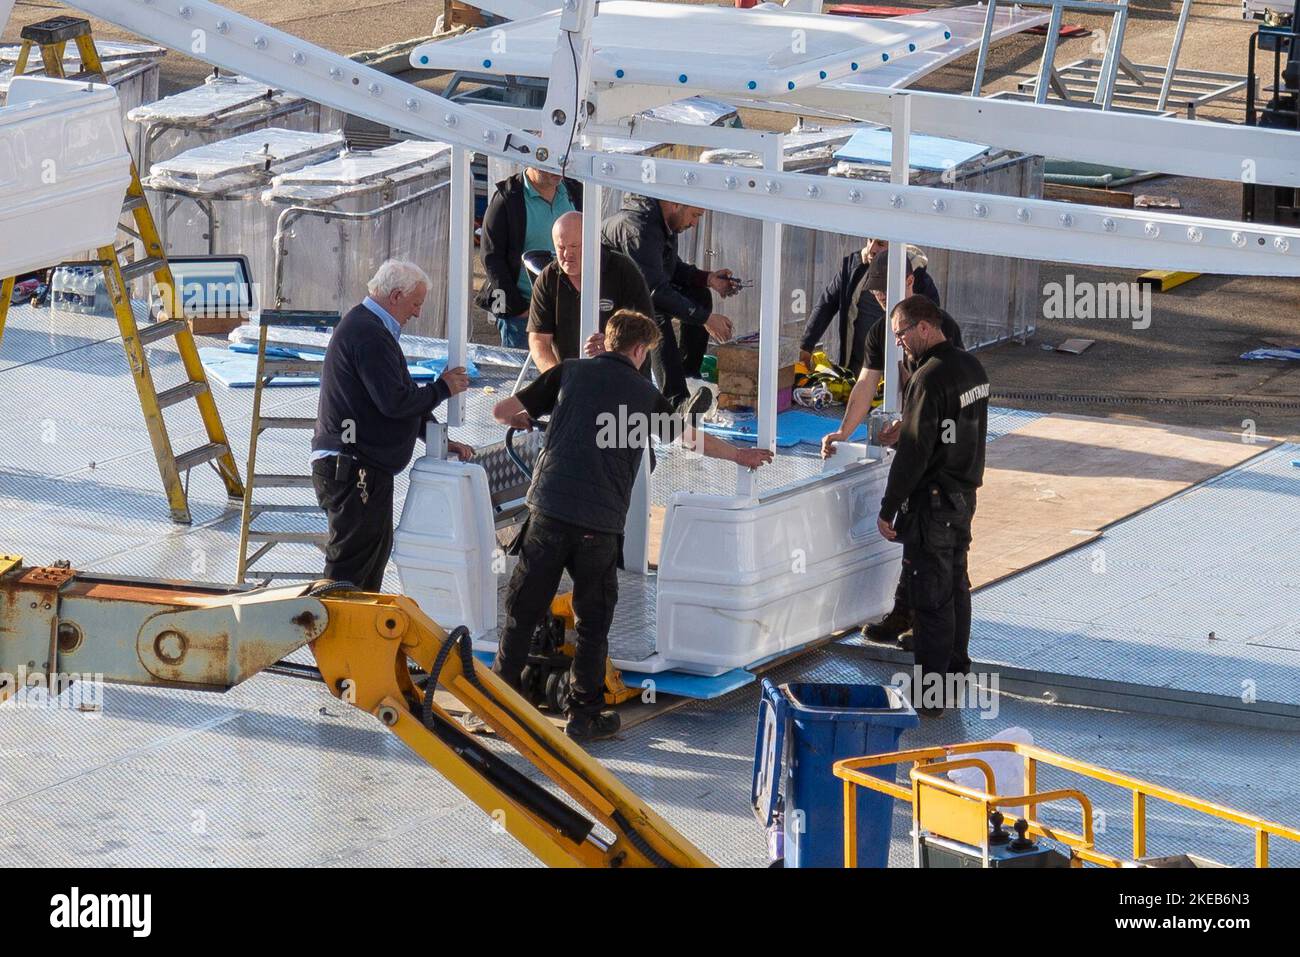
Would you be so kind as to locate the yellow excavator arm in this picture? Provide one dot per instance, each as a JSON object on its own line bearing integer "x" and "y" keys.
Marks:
{"x": 212, "y": 637}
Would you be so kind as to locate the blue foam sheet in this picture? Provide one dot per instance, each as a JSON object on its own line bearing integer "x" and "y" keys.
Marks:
{"x": 676, "y": 682}
{"x": 794, "y": 426}
{"x": 924, "y": 152}
{"x": 238, "y": 370}
{"x": 434, "y": 365}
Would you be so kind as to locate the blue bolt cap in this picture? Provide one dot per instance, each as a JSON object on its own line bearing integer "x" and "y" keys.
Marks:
{"x": 424, "y": 59}
{"x": 752, "y": 85}
{"x": 619, "y": 74}
{"x": 682, "y": 78}
{"x": 487, "y": 63}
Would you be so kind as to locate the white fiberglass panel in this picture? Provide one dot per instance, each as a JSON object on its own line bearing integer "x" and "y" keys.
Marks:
{"x": 741, "y": 581}
{"x": 724, "y": 49}
{"x": 64, "y": 170}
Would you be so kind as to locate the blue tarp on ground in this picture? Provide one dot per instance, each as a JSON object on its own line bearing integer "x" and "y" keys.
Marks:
{"x": 236, "y": 367}
{"x": 1282, "y": 355}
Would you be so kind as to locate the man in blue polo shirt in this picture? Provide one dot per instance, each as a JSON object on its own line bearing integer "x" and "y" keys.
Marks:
{"x": 518, "y": 220}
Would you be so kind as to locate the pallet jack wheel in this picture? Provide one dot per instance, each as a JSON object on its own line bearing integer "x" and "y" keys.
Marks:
{"x": 557, "y": 690}
{"x": 533, "y": 684}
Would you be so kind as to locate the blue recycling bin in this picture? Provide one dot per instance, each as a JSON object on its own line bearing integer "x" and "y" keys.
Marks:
{"x": 803, "y": 729}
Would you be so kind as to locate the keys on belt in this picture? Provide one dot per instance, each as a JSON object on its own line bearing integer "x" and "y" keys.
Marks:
{"x": 343, "y": 468}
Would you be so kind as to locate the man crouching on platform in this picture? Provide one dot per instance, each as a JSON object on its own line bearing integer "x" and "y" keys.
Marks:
{"x": 579, "y": 499}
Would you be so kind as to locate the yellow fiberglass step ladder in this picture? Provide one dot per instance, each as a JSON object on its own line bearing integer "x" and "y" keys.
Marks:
{"x": 264, "y": 539}
{"x": 51, "y": 37}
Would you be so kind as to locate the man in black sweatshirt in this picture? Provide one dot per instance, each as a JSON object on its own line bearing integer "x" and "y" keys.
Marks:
{"x": 370, "y": 414}
{"x": 603, "y": 413}
{"x": 929, "y": 499}
{"x": 874, "y": 287}
{"x": 646, "y": 229}
{"x": 854, "y": 308}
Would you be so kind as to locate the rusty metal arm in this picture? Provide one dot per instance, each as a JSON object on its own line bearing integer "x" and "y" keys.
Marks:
{"x": 58, "y": 621}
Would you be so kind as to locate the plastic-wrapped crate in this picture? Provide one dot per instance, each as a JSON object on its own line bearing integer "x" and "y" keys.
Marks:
{"x": 992, "y": 297}
{"x": 213, "y": 194}
{"x": 223, "y": 107}
{"x": 337, "y": 220}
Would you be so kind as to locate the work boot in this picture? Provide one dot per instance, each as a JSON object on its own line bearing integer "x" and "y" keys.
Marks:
{"x": 889, "y": 629}
{"x": 583, "y": 726}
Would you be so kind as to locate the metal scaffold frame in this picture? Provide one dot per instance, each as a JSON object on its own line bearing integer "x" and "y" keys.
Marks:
{"x": 1017, "y": 227}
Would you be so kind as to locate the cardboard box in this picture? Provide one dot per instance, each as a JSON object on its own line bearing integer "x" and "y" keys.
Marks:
{"x": 738, "y": 373}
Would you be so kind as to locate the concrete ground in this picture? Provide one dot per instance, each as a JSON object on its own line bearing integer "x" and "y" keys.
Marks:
{"x": 1183, "y": 369}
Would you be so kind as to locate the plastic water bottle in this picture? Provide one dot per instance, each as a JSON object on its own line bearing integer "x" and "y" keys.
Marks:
{"x": 79, "y": 291}
{"x": 72, "y": 301}
{"x": 93, "y": 279}
{"x": 59, "y": 289}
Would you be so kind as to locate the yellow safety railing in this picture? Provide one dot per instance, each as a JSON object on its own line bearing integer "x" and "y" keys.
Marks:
{"x": 930, "y": 763}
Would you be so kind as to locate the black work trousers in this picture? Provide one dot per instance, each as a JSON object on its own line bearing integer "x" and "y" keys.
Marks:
{"x": 936, "y": 539}
{"x": 359, "y": 509}
{"x": 550, "y": 548}
{"x": 674, "y": 362}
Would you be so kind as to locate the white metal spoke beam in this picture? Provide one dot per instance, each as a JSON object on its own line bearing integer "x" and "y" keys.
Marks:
{"x": 1165, "y": 144}
{"x": 1001, "y": 225}
{"x": 219, "y": 36}
{"x": 973, "y": 222}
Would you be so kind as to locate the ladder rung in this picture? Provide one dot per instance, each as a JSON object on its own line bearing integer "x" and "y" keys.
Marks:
{"x": 144, "y": 267}
{"x": 60, "y": 29}
{"x": 260, "y": 508}
{"x": 300, "y": 538}
{"x": 274, "y": 422}
{"x": 186, "y": 390}
{"x": 204, "y": 453}
{"x": 159, "y": 330}
{"x": 132, "y": 203}
{"x": 281, "y": 481}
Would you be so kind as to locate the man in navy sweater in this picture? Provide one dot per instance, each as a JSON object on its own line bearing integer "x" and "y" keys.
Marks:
{"x": 370, "y": 414}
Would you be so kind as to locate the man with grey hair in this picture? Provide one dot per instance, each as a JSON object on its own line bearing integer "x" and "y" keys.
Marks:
{"x": 370, "y": 414}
